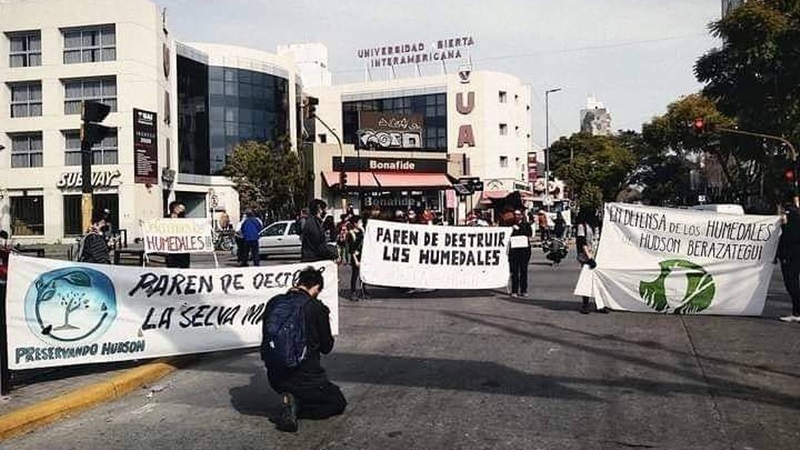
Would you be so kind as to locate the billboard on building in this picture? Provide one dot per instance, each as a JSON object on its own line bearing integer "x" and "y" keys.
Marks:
{"x": 382, "y": 130}
{"x": 145, "y": 147}
{"x": 533, "y": 170}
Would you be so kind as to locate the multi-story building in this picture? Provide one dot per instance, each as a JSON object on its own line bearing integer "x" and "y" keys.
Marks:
{"x": 402, "y": 138}
{"x": 201, "y": 98}
{"x": 595, "y": 119}
{"x": 729, "y": 5}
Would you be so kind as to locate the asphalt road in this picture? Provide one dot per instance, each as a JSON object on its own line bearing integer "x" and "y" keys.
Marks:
{"x": 480, "y": 370}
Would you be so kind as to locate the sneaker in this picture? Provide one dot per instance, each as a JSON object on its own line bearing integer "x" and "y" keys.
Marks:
{"x": 288, "y": 419}
{"x": 523, "y": 294}
{"x": 790, "y": 319}
{"x": 584, "y": 309}
{"x": 513, "y": 295}
{"x": 603, "y": 310}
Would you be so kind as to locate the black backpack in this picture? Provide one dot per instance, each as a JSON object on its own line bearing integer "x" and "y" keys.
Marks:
{"x": 284, "y": 331}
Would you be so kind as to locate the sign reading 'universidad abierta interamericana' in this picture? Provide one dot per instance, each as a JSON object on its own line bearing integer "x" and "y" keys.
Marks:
{"x": 684, "y": 261}
{"x": 62, "y": 313}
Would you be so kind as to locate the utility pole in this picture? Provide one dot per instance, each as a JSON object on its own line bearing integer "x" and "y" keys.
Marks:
{"x": 547, "y": 146}
{"x": 92, "y": 132}
{"x": 312, "y": 113}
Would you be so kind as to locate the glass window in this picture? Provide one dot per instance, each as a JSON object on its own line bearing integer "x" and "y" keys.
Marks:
{"x": 104, "y": 152}
{"x": 90, "y": 44}
{"x": 503, "y": 129}
{"x": 503, "y": 97}
{"x": 103, "y": 90}
{"x": 26, "y": 99}
{"x": 25, "y": 49}
{"x": 26, "y": 149}
{"x": 72, "y": 211}
{"x": 274, "y": 230}
{"x": 27, "y": 215}
{"x": 504, "y": 161}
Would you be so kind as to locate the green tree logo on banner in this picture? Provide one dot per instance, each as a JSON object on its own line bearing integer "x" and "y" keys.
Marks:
{"x": 698, "y": 294}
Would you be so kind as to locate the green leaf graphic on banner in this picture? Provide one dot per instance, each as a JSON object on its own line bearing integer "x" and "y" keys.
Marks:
{"x": 700, "y": 288}
{"x": 78, "y": 279}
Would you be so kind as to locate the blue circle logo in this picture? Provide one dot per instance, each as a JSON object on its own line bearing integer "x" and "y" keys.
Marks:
{"x": 70, "y": 304}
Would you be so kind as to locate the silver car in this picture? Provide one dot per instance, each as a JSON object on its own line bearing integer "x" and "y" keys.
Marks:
{"x": 280, "y": 239}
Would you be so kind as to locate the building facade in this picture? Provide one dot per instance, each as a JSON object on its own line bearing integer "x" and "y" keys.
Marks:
{"x": 596, "y": 118}
{"x": 178, "y": 110}
{"x": 407, "y": 140}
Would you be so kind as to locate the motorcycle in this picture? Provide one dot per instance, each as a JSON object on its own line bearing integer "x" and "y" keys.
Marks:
{"x": 555, "y": 250}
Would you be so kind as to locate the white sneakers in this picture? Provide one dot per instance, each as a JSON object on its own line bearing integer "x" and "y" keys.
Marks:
{"x": 790, "y": 319}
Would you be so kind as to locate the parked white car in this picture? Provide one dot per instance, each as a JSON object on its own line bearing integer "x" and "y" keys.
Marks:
{"x": 280, "y": 239}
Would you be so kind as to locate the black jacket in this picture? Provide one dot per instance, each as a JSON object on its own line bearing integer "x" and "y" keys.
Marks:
{"x": 313, "y": 244}
{"x": 319, "y": 341}
{"x": 789, "y": 244}
{"x": 95, "y": 249}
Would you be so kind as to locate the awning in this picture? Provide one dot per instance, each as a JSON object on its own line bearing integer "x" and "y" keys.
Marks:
{"x": 495, "y": 195}
{"x": 413, "y": 180}
{"x": 367, "y": 179}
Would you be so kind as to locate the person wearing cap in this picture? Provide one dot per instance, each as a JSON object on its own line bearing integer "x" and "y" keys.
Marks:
{"x": 93, "y": 247}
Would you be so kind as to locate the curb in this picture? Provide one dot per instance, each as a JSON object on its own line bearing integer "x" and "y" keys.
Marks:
{"x": 48, "y": 411}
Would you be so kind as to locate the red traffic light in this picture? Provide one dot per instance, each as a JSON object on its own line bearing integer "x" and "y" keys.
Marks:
{"x": 699, "y": 125}
{"x": 789, "y": 174}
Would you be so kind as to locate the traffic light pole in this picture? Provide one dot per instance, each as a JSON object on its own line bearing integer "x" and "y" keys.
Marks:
{"x": 86, "y": 184}
{"x": 792, "y": 150}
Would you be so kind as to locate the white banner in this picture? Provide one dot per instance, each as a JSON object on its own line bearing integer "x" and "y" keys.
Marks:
{"x": 62, "y": 313}
{"x": 684, "y": 261}
{"x": 435, "y": 257}
{"x": 177, "y": 236}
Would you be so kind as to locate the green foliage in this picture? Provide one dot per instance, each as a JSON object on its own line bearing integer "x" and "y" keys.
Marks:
{"x": 753, "y": 78}
{"x": 600, "y": 165}
{"x": 268, "y": 177}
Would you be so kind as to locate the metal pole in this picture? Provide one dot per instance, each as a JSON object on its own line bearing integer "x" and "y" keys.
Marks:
{"x": 792, "y": 150}
{"x": 86, "y": 184}
{"x": 360, "y": 196}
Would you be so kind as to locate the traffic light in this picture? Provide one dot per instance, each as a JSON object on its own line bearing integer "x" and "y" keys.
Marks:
{"x": 92, "y": 113}
{"x": 790, "y": 174}
{"x": 700, "y": 125}
{"x": 312, "y": 107}
{"x": 342, "y": 180}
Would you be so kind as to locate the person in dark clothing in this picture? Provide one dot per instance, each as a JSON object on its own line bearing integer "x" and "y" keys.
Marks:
{"x": 93, "y": 247}
{"x": 177, "y": 260}
{"x": 307, "y": 392}
{"x": 520, "y": 254}
{"x": 251, "y": 229}
{"x": 789, "y": 257}
{"x": 585, "y": 230}
{"x": 559, "y": 225}
{"x": 314, "y": 247}
{"x": 355, "y": 243}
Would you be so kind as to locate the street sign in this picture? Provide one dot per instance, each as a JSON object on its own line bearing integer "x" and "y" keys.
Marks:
{"x": 462, "y": 189}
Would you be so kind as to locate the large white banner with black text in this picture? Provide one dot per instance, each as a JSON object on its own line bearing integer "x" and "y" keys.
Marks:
{"x": 684, "y": 261}
{"x": 62, "y": 313}
{"x": 435, "y": 257}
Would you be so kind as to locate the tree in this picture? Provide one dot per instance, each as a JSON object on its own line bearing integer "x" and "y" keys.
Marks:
{"x": 592, "y": 165}
{"x": 268, "y": 177}
{"x": 753, "y": 78}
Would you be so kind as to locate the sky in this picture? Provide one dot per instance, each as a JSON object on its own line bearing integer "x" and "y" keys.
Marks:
{"x": 635, "y": 56}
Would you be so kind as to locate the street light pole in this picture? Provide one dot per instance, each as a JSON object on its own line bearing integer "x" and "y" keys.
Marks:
{"x": 547, "y": 145}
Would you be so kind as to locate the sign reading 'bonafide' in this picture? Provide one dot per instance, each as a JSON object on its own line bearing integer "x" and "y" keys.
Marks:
{"x": 435, "y": 257}
{"x": 684, "y": 261}
{"x": 177, "y": 236}
{"x": 63, "y": 313}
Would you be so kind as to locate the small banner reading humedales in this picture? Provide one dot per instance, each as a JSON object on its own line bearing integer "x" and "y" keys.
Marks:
{"x": 177, "y": 236}
{"x": 435, "y": 257}
{"x": 62, "y": 313}
{"x": 684, "y": 261}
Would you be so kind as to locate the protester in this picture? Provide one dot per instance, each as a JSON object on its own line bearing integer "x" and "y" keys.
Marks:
{"x": 519, "y": 255}
{"x": 177, "y": 260}
{"x": 584, "y": 246}
{"x": 355, "y": 244}
{"x": 93, "y": 247}
{"x": 312, "y": 238}
{"x": 789, "y": 257}
{"x": 544, "y": 226}
{"x": 560, "y": 225}
{"x": 251, "y": 229}
{"x": 341, "y": 239}
{"x": 307, "y": 392}
{"x": 329, "y": 229}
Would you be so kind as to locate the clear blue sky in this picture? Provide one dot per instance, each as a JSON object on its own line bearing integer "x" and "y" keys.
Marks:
{"x": 636, "y": 56}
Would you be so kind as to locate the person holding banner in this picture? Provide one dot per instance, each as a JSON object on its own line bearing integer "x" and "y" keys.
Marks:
{"x": 307, "y": 392}
{"x": 355, "y": 244}
{"x": 584, "y": 246}
{"x": 177, "y": 260}
{"x": 519, "y": 256}
{"x": 789, "y": 257}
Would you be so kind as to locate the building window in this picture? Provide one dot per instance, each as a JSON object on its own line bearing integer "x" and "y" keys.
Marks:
{"x": 503, "y": 129}
{"x": 516, "y": 130}
{"x": 73, "y": 217}
{"x": 26, "y": 99}
{"x": 25, "y": 49}
{"x": 103, "y": 90}
{"x": 91, "y": 44}
{"x": 26, "y": 149}
{"x": 504, "y": 161}
{"x": 503, "y": 96}
{"x": 323, "y": 138}
{"x": 27, "y": 215}
{"x": 104, "y": 152}
{"x": 516, "y": 98}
